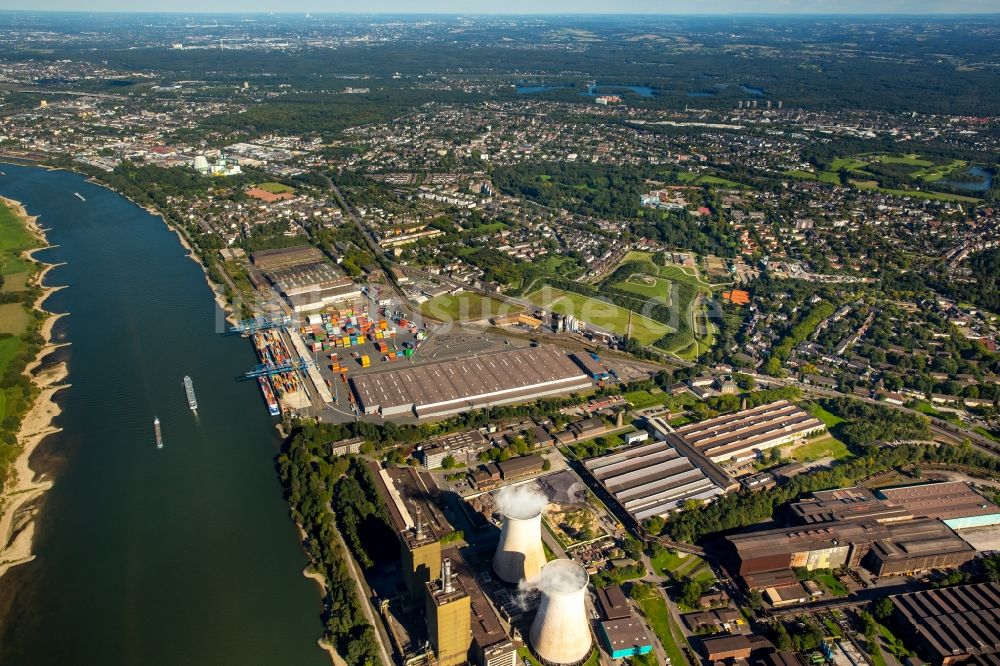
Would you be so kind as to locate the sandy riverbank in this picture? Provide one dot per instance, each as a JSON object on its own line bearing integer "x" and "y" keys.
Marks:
{"x": 17, "y": 503}
{"x": 320, "y": 580}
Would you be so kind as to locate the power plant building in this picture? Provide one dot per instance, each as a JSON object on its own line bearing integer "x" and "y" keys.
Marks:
{"x": 491, "y": 646}
{"x": 451, "y": 387}
{"x": 953, "y": 624}
{"x": 449, "y": 613}
{"x": 745, "y": 434}
{"x": 416, "y": 520}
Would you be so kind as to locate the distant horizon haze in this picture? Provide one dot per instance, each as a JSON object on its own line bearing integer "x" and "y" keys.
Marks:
{"x": 526, "y": 7}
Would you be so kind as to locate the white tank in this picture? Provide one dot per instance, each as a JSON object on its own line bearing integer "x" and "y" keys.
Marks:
{"x": 519, "y": 554}
{"x": 560, "y": 633}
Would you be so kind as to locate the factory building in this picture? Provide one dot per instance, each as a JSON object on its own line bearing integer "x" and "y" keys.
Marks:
{"x": 953, "y": 624}
{"x": 745, "y": 434}
{"x": 625, "y": 638}
{"x": 657, "y": 478}
{"x": 954, "y": 502}
{"x": 313, "y": 286}
{"x": 285, "y": 257}
{"x": 451, "y": 387}
{"x": 591, "y": 365}
{"x": 766, "y": 557}
{"x": 651, "y": 480}
{"x": 918, "y": 545}
{"x": 304, "y": 277}
{"x": 449, "y": 618}
{"x": 461, "y": 445}
{"x": 857, "y": 504}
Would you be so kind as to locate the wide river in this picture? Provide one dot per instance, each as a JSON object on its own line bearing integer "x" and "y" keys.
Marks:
{"x": 184, "y": 555}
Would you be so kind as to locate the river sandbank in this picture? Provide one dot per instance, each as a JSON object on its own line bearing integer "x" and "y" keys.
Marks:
{"x": 24, "y": 487}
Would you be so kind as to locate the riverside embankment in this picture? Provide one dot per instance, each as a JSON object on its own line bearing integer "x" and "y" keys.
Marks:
{"x": 180, "y": 555}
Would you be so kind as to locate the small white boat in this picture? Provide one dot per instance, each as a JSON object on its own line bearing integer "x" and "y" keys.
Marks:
{"x": 156, "y": 430}
{"x": 79, "y": 196}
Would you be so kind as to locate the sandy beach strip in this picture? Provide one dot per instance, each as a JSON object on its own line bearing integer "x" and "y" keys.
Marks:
{"x": 17, "y": 502}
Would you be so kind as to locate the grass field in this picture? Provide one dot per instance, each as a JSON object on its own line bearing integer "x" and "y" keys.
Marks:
{"x": 643, "y": 399}
{"x": 679, "y": 564}
{"x": 824, "y": 447}
{"x": 465, "y": 306}
{"x": 691, "y": 178}
{"x": 836, "y": 588}
{"x": 654, "y": 608}
{"x": 689, "y": 345}
{"x": 647, "y": 286}
{"x": 14, "y": 318}
{"x": 917, "y": 194}
{"x": 276, "y": 188}
{"x": 800, "y": 174}
{"x": 599, "y": 313}
{"x": 15, "y": 282}
{"x": 828, "y": 419}
{"x": 14, "y": 239}
{"x": 925, "y": 172}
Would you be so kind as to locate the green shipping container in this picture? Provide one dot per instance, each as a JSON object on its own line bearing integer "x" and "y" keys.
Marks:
{"x": 408, "y": 352}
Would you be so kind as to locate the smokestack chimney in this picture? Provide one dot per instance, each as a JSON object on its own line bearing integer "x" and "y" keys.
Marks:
{"x": 446, "y": 576}
{"x": 560, "y": 633}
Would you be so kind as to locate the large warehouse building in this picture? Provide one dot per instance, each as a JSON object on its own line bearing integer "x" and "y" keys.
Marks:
{"x": 451, "y": 387}
{"x": 744, "y": 434}
{"x": 954, "y": 502}
{"x": 885, "y": 549}
{"x": 652, "y": 479}
{"x": 953, "y": 624}
{"x": 853, "y": 527}
{"x": 306, "y": 280}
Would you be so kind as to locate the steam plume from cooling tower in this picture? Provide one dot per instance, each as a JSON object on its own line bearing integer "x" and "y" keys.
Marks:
{"x": 557, "y": 580}
{"x": 521, "y": 502}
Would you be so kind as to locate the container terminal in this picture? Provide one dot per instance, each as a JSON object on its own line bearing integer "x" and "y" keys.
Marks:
{"x": 369, "y": 359}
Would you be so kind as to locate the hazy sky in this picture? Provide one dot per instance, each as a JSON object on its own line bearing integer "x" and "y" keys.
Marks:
{"x": 524, "y": 6}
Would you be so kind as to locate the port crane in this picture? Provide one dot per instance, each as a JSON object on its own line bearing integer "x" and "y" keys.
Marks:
{"x": 250, "y": 326}
{"x": 268, "y": 369}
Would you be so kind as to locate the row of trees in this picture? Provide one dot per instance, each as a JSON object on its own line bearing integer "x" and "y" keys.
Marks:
{"x": 310, "y": 484}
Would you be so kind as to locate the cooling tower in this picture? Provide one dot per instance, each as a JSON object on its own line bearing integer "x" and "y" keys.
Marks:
{"x": 519, "y": 554}
{"x": 560, "y": 633}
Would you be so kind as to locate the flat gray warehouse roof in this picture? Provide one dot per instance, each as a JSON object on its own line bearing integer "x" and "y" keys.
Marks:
{"x": 450, "y": 387}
